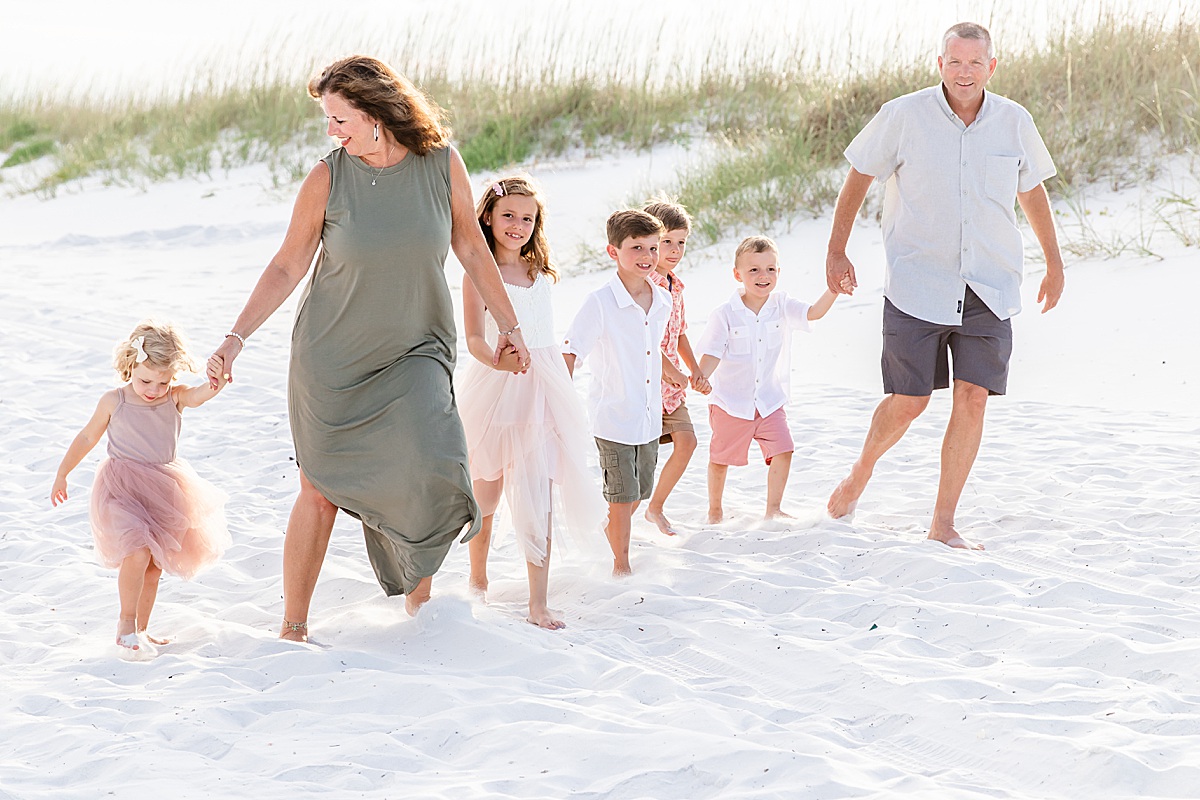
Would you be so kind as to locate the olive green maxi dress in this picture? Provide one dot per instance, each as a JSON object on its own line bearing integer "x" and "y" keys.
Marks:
{"x": 370, "y": 396}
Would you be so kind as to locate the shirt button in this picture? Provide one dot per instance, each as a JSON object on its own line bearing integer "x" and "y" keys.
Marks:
{"x": 964, "y": 163}
{"x": 647, "y": 352}
{"x": 647, "y": 381}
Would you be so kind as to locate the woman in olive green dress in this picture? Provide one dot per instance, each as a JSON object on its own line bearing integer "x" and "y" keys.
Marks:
{"x": 370, "y": 398}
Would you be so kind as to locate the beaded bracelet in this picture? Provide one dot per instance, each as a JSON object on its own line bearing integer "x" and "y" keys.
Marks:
{"x": 510, "y": 332}
{"x": 237, "y": 336}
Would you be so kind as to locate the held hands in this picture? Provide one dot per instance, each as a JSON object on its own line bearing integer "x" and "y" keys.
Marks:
{"x": 220, "y": 363}
{"x": 510, "y": 361}
{"x": 839, "y": 274}
{"x": 700, "y": 383}
{"x": 516, "y": 342}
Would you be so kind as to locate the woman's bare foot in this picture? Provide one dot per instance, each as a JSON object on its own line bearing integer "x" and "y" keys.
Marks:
{"x": 715, "y": 515}
{"x": 622, "y": 570}
{"x": 294, "y": 631}
{"x": 777, "y": 513}
{"x": 660, "y": 519}
{"x": 545, "y": 618}
{"x": 478, "y": 589}
{"x": 418, "y": 596}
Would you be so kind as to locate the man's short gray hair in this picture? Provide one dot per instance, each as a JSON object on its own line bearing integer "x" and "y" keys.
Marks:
{"x": 969, "y": 30}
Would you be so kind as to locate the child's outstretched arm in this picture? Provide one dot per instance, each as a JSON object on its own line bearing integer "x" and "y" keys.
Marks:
{"x": 83, "y": 443}
{"x": 822, "y": 306}
{"x": 195, "y": 396}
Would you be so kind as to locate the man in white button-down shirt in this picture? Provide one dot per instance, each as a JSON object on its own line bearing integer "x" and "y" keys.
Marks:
{"x": 956, "y": 160}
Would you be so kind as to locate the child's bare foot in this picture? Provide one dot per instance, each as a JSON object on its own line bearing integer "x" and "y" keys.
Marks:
{"x": 715, "y": 515}
{"x": 418, "y": 596}
{"x": 154, "y": 639}
{"x": 660, "y": 519}
{"x": 776, "y": 513}
{"x": 949, "y": 537}
{"x": 478, "y": 589}
{"x": 622, "y": 570}
{"x": 545, "y": 618}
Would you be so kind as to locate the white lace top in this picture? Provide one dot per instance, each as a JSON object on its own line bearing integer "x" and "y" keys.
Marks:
{"x": 534, "y": 311}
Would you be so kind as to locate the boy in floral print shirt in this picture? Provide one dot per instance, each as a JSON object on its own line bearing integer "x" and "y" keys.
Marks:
{"x": 677, "y": 353}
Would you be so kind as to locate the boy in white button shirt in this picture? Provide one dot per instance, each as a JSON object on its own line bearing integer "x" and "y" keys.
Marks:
{"x": 749, "y": 338}
{"x": 620, "y": 328}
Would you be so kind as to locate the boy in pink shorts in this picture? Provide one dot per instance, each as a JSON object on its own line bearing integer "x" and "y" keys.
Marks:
{"x": 749, "y": 338}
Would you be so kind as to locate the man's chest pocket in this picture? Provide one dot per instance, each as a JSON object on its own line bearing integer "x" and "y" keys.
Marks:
{"x": 739, "y": 341}
{"x": 1001, "y": 174}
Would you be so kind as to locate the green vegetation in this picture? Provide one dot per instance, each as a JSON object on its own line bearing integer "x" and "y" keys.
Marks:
{"x": 1110, "y": 102}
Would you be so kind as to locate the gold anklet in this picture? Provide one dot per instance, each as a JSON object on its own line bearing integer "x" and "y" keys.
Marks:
{"x": 295, "y": 627}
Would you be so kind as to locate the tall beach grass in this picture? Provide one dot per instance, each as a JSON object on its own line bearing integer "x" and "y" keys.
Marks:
{"x": 1111, "y": 99}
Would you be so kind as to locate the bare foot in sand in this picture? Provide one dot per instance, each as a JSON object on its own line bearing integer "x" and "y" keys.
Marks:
{"x": 715, "y": 515}
{"x": 845, "y": 496}
{"x": 622, "y": 570}
{"x": 776, "y": 513}
{"x": 294, "y": 631}
{"x": 418, "y": 596}
{"x": 952, "y": 539}
{"x": 660, "y": 519}
{"x": 545, "y": 618}
{"x": 154, "y": 639}
{"x": 478, "y": 589}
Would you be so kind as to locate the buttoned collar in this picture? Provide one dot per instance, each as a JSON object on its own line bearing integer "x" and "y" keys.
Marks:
{"x": 624, "y": 298}
{"x": 949, "y": 112}
{"x": 740, "y": 306}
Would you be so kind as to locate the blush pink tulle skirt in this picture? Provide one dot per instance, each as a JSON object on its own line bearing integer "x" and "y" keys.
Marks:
{"x": 167, "y": 508}
{"x": 531, "y": 431}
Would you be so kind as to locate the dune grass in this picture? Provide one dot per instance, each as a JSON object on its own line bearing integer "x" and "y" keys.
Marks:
{"x": 1110, "y": 102}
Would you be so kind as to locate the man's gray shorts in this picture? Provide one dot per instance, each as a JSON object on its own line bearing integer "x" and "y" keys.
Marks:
{"x": 628, "y": 470}
{"x": 915, "y": 351}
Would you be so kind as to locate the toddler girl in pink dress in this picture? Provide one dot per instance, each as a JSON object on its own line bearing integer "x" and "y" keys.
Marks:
{"x": 149, "y": 510}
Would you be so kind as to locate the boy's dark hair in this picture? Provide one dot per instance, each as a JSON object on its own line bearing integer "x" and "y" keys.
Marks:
{"x": 672, "y": 215}
{"x": 623, "y": 225}
{"x": 754, "y": 244}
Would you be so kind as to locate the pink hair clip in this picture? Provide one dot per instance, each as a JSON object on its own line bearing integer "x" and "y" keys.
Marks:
{"x": 498, "y": 189}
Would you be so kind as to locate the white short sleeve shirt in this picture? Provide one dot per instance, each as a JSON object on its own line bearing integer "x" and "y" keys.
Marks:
{"x": 621, "y": 342}
{"x": 755, "y": 352}
{"x": 950, "y": 192}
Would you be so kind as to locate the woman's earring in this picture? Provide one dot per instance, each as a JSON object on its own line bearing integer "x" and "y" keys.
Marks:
{"x": 377, "y": 131}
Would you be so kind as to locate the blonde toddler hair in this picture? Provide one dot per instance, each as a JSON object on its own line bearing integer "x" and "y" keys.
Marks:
{"x": 754, "y": 244}
{"x": 164, "y": 345}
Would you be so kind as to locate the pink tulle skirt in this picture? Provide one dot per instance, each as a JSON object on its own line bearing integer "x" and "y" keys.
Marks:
{"x": 531, "y": 430}
{"x": 167, "y": 508}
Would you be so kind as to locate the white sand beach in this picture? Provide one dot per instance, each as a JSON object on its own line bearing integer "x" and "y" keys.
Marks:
{"x": 812, "y": 659}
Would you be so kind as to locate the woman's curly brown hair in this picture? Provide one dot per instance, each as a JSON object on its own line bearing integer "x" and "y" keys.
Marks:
{"x": 381, "y": 93}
